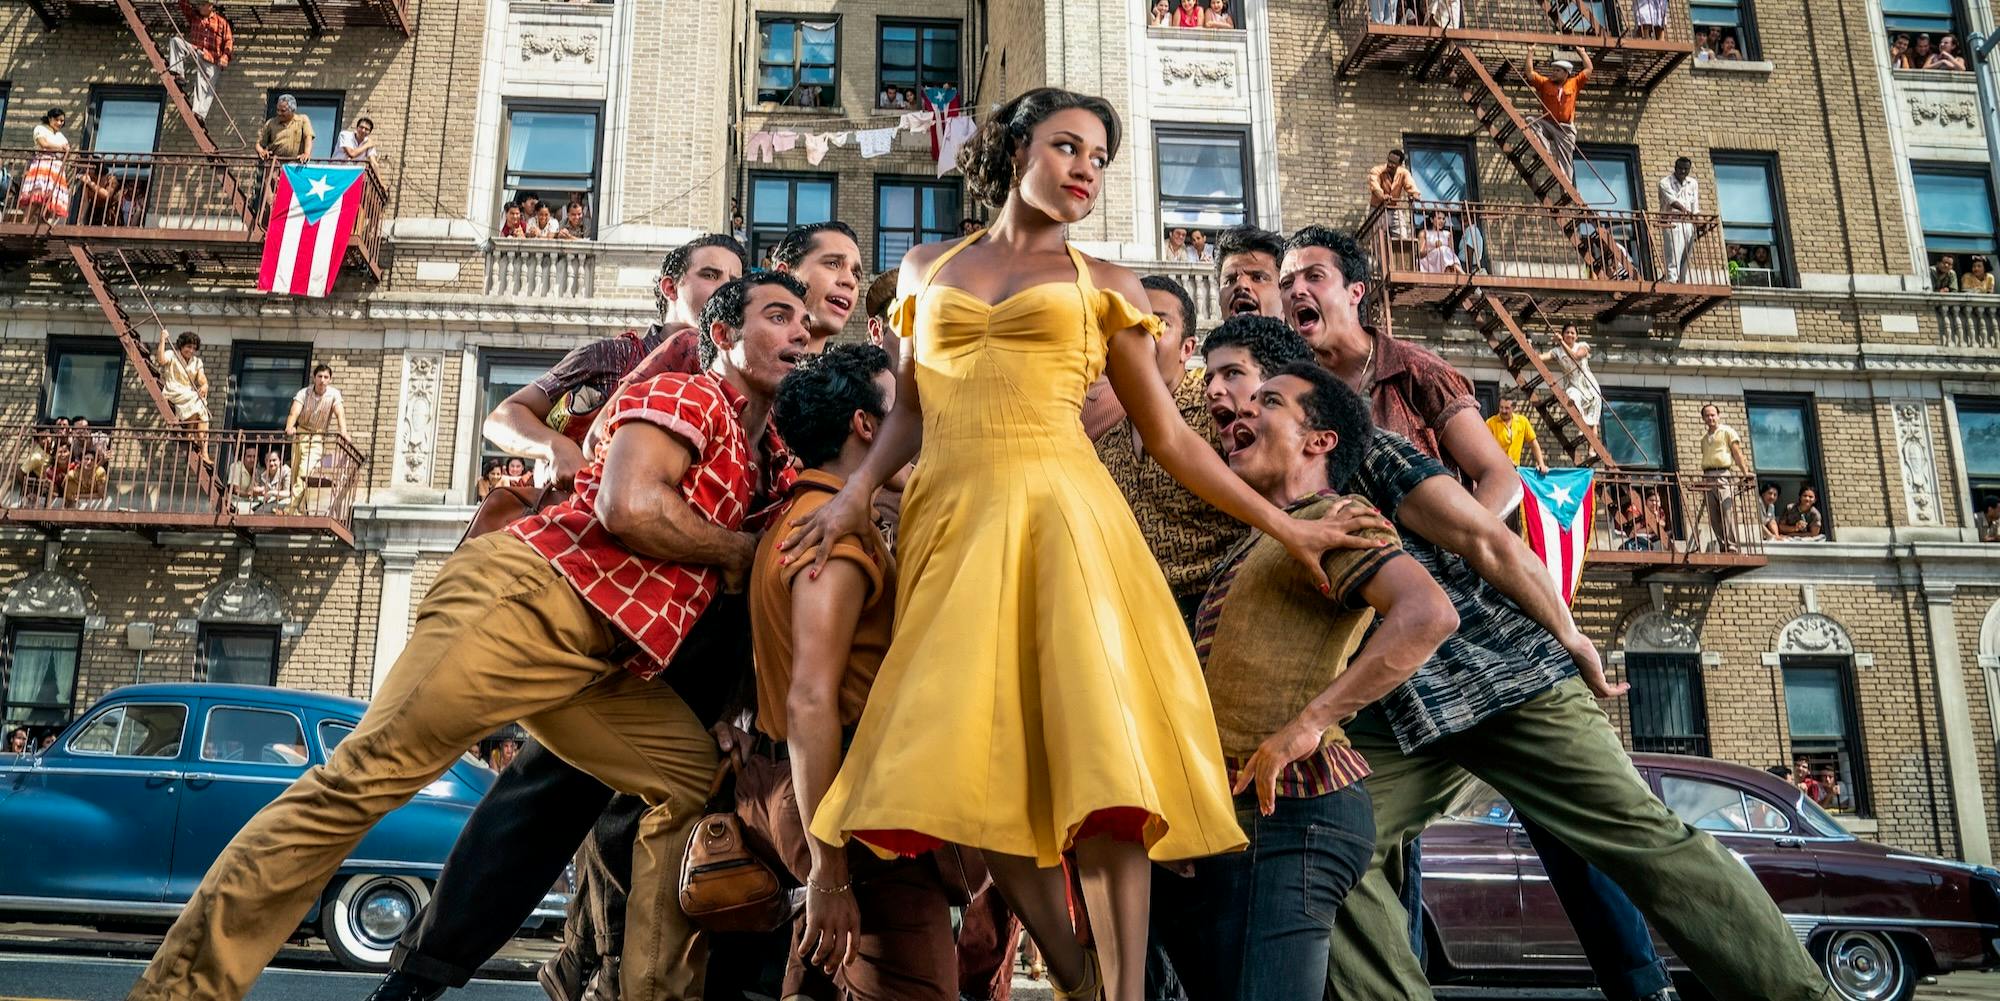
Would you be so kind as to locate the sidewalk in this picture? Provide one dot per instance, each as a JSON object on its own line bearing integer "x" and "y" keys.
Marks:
{"x": 1963, "y": 987}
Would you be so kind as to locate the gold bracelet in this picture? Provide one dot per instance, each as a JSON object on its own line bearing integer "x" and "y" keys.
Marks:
{"x": 829, "y": 890}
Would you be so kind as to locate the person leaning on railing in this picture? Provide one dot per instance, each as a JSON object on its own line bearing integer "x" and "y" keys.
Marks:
{"x": 316, "y": 409}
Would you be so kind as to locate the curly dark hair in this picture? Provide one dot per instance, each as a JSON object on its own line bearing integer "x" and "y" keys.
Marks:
{"x": 186, "y": 338}
{"x": 1162, "y": 283}
{"x": 1333, "y": 406}
{"x": 678, "y": 260}
{"x": 1247, "y": 240}
{"x": 1347, "y": 254}
{"x": 1272, "y": 344}
{"x": 987, "y": 160}
{"x": 798, "y": 241}
{"x": 816, "y": 399}
{"x": 731, "y": 304}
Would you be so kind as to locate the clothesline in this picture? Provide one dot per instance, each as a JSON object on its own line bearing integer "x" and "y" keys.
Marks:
{"x": 947, "y": 122}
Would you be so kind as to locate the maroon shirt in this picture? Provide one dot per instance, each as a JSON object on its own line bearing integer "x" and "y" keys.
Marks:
{"x": 1413, "y": 392}
{"x": 588, "y": 377}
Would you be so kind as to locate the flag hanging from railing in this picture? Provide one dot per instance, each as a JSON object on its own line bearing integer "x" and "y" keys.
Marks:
{"x": 1555, "y": 521}
{"x": 313, "y": 209}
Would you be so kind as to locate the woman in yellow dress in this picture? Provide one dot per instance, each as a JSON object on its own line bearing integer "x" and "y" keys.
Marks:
{"x": 1040, "y": 692}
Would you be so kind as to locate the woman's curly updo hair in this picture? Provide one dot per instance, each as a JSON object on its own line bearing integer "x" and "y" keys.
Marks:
{"x": 987, "y": 160}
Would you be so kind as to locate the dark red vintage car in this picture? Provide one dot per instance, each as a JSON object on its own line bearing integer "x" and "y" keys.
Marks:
{"x": 1875, "y": 918}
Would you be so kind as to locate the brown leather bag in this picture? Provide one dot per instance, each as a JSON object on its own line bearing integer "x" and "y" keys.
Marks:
{"x": 504, "y": 506}
{"x": 725, "y": 886}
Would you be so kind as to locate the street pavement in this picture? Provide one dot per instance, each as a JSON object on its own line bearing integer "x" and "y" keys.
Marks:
{"x": 72, "y": 978}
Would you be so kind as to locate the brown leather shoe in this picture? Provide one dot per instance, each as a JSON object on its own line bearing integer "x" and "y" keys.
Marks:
{"x": 562, "y": 977}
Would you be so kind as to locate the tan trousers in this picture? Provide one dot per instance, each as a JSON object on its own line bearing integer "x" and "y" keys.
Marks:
{"x": 501, "y": 636}
{"x": 306, "y": 457}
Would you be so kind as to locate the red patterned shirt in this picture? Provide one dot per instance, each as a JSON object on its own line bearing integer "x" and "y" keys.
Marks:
{"x": 651, "y": 601}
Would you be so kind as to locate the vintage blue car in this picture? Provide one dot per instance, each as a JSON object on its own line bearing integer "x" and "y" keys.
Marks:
{"x": 120, "y": 818}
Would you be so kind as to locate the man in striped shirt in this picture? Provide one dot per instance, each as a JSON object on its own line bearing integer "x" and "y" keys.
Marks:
{"x": 1285, "y": 666}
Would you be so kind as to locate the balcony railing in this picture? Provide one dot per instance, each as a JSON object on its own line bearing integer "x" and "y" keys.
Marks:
{"x": 541, "y": 269}
{"x": 1688, "y": 521}
{"x": 314, "y": 15}
{"x": 167, "y": 204}
{"x": 1576, "y": 260}
{"x": 151, "y": 480}
{"x": 1199, "y": 280}
{"x": 1397, "y": 34}
{"x": 1974, "y": 324}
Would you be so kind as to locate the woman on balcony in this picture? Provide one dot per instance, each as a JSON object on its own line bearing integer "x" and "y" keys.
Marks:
{"x": 96, "y": 195}
{"x": 45, "y": 189}
{"x": 1439, "y": 257}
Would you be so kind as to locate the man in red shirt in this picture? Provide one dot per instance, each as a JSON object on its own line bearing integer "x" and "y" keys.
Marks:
{"x": 199, "y": 55}
{"x": 1556, "y": 127}
{"x": 561, "y": 622}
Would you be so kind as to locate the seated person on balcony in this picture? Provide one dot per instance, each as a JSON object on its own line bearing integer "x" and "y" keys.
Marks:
{"x": 492, "y": 475}
{"x": 1899, "y": 53}
{"x": 1651, "y": 16}
{"x": 1801, "y": 521}
{"x": 288, "y": 135}
{"x": 1947, "y": 56}
{"x": 182, "y": 380}
{"x": 82, "y": 437}
{"x": 243, "y": 480}
{"x": 1556, "y": 126}
{"x": 83, "y": 485}
{"x": 1570, "y": 358}
{"x": 1177, "y": 248}
{"x": 1987, "y": 521}
{"x": 1199, "y": 249}
{"x": 41, "y": 463}
{"x": 543, "y": 225}
{"x": 576, "y": 226}
{"x": 1162, "y": 16}
{"x": 1188, "y": 15}
{"x": 513, "y": 225}
{"x": 1977, "y": 278}
{"x": 1680, "y": 196}
{"x": 1218, "y": 15}
{"x": 1513, "y": 431}
{"x": 1944, "y": 274}
{"x": 1724, "y": 468}
{"x": 1769, "y": 520}
{"x": 1649, "y": 527}
{"x": 1438, "y": 257}
{"x": 273, "y": 488}
{"x": 96, "y": 195}
{"x": 1389, "y": 183}
{"x": 198, "y": 56}
{"x": 358, "y": 143}
{"x": 316, "y": 410}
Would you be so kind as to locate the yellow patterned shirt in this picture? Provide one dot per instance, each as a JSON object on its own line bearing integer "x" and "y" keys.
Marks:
{"x": 1186, "y": 535}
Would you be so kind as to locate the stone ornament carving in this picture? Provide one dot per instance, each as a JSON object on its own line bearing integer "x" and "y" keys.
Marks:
{"x": 247, "y": 599}
{"x": 555, "y": 47}
{"x": 416, "y": 426}
{"x": 47, "y": 594}
{"x": 1814, "y": 634}
{"x": 1655, "y": 631}
{"x": 1198, "y": 72}
{"x": 1944, "y": 112}
{"x": 1913, "y": 455}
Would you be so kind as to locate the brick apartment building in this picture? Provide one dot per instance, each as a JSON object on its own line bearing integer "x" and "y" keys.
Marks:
{"x": 1874, "y": 652}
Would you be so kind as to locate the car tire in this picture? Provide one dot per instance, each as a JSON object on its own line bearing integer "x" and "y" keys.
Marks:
{"x": 1865, "y": 965}
{"x": 363, "y": 915}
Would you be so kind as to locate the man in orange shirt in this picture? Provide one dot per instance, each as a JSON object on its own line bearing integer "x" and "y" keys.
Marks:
{"x": 1556, "y": 128}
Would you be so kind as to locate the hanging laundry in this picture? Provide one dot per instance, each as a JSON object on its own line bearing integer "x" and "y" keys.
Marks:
{"x": 958, "y": 130}
{"x": 816, "y": 145}
{"x": 759, "y": 145}
{"x": 875, "y": 142}
{"x": 914, "y": 121}
{"x": 839, "y": 138}
{"x": 784, "y": 142}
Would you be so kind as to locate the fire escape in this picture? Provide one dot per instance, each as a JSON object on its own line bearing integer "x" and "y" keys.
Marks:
{"x": 1528, "y": 268}
{"x": 198, "y": 215}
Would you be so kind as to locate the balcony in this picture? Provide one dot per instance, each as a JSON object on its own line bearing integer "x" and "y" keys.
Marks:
{"x": 1608, "y": 29}
{"x": 1575, "y": 262}
{"x": 1969, "y": 321}
{"x": 315, "y": 16}
{"x": 174, "y": 209}
{"x": 158, "y": 480}
{"x": 1647, "y": 523}
{"x": 542, "y": 269}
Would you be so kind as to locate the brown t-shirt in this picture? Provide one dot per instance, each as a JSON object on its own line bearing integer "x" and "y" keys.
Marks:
{"x": 771, "y": 609}
{"x": 1415, "y": 393}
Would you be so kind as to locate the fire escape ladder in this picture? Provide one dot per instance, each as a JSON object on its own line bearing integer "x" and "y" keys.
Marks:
{"x": 179, "y": 96}
{"x": 1517, "y": 352}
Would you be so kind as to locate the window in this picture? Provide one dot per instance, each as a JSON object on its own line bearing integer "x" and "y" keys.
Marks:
{"x": 1669, "y": 709}
{"x": 1204, "y": 180}
{"x": 798, "y": 62}
{"x": 321, "y": 108}
{"x": 124, "y": 119}
{"x": 1443, "y": 167}
{"x": 1918, "y": 17}
{"x": 911, "y": 57}
{"x": 1712, "y": 806}
{"x": 552, "y": 151}
{"x": 1956, "y": 206}
{"x": 331, "y": 733}
{"x": 1725, "y": 21}
{"x": 1608, "y": 178}
{"x": 1826, "y": 733}
{"x": 134, "y": 730}
{"x": 1784, "y": 445}
{"x": 1746, "y": 194}
{"x": 1487, "y": 392}
{"x": 41, "y": 675}
{"x": 779, "y": 202}
{"x": 263, "y": 378}
{"x": 6, "y": 91}
{"x": 501, "y": 374}
{"x": 909, "y": 211}
{"x": 1635, "y": 429}
{"x": 1979, "y": 447}
{"x": 238, "y": 655}
{"x": 254, "y": 736}
{"x": 83, "y": 379}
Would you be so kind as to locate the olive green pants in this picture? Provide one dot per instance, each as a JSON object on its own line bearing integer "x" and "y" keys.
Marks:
{"x": 500, "y": 637}
{"x": 1557, "y": 760}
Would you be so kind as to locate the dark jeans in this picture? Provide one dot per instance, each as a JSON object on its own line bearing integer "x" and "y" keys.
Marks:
{"x": 1257, "y": 925}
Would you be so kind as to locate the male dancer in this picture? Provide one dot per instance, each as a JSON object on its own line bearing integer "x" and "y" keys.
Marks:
{"x": 562, "y": 622}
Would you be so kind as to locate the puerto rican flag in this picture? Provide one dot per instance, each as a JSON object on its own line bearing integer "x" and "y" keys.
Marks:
{"x": 313, "y": 209}
{"x": 1555, "y": 521}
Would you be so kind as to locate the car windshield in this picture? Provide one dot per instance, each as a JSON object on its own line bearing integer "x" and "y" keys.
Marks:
{"x": 1477, "y": 803}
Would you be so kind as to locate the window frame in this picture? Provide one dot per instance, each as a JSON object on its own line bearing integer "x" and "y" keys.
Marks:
{"x": 1627, "y": 156}
{"x": 1781, "y": 216}
{"x": 1955, "y": 26}
{"x": 882, "y": 25}
{"x": 792, "y": 178}
{"x": 917, "y": 184}
{"x": 6, "y": 98}
{"x": 1970, "y": 481}
{"x": 1165, "y": 131}
{"x": 15, "y": 626}
{"x": 1697, "y": 743}
{"x": 208, "y": 728}
{"x": 1464, "y": 146}
{"x": 207, "y": 631}
{"x": 596, "y": 177}
{"x": 1747, "y": 38}
{"x": 1815, "y": 474}
{"x": 797, "y": 18}
{"x": 1669, "y": 462}
{"x": 59, "y": 346}
{"x": 1978, "y": 172}
{"x": 1860, "y": 789}
{"x": 99, "y": 93}
{"x": 337, "y": 97}
{"x": 239, "y": 351}
{"x": 488, "y": 357}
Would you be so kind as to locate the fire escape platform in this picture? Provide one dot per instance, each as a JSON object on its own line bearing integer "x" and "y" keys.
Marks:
{"x": 1424, "y": 49}
{"x": 316, "y": 16}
